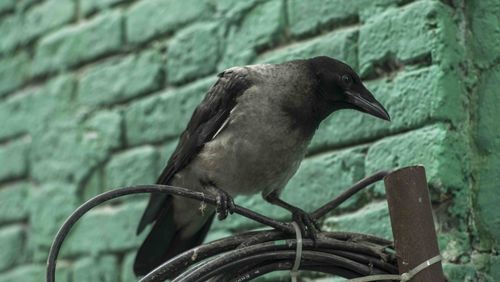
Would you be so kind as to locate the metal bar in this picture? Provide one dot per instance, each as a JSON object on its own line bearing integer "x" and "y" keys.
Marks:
{"x": 415, "y": 239}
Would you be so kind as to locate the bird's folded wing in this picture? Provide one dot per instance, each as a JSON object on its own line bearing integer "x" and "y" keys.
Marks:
{"x": 210, "y": 115}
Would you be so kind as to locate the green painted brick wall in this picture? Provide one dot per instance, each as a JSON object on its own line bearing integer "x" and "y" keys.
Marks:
{"x": 93, "y": 94}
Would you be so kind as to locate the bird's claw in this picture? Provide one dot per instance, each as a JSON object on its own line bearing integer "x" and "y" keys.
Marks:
{"x": 225, "y": 204}
{"x": 307, "y": 225}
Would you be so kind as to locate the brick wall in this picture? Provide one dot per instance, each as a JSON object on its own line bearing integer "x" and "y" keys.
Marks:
{"x": 93, "y": 94}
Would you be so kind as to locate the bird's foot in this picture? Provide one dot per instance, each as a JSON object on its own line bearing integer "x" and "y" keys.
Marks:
{"x": 307, "y": 225}
{"x": 225, "y": 204}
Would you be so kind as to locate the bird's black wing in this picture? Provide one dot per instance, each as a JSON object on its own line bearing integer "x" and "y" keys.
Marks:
{"x": 206, "y": 120}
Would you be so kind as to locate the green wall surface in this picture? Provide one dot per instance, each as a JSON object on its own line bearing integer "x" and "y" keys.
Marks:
{"x": 94, "y": 93}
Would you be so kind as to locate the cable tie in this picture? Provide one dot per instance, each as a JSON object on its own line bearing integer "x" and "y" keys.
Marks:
{"x": 294, "y": 272}
{"x": 404, "y": 277}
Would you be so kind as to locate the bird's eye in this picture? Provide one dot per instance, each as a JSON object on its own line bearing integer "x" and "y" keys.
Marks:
{"x": 347, "y": 79}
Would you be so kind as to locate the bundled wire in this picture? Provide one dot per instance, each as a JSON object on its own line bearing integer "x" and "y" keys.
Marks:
{"x": 246, "y": 256}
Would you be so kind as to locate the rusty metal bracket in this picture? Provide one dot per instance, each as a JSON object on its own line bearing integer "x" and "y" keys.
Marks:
{"x": 415, "y": 239}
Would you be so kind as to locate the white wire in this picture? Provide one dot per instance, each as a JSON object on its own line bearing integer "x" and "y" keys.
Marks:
{"x": 404, "y": 277}
{"x": 294, "y": 272}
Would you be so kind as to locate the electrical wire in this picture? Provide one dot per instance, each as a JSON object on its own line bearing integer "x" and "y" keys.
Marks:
{"x": 245, "y": 256}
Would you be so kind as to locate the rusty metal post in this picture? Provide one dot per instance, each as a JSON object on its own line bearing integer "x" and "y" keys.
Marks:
{"x": 410, "y": 210}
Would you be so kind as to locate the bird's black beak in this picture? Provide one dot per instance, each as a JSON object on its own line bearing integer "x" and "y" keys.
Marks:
{"x": 364, "y": 101}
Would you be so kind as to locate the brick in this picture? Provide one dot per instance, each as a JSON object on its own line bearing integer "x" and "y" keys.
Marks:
{"x": 13, "y": 205}
{"x": 337, "y": 44}
{"x": 147, "y": 19}
{"x": 88, "y": 7}
{"x": 487, "y": 139}
{"x": 74, "y": 154}
{"x": 453, "y": 244}
{"x": 7, "y": 6}
{"x": 127, "y": 272}
{"x": 262, "y": 27}
{"x": 133, "y": 167}
{"x": 486, "y": 30}
{"x": 104, "y": 269}
{"x": 28, "y": 273}
{"x": 120, "y": 79}
{"x": 371, "y": 219}
{"x": 408, "y": 34}
{"x": 13, "y": 113}
{"x": 158, "y": 117}
{"x": 9, "y": 29}
{"x": 23, "y": 5}
{"x": 312, "y": 16}
{"x": 45, "y": 219}
{"x": 12, "y": 241}
{"x": 233, "y": 10}
{"x": 319, "y": 179}
{"x": 31, "y": 108}
{"x": 439, "y": 149}
{"x": 308, "y": 17}
{"x": 322, "y": 178}
{"x": 481, "y": 261}
{"x": 486, "y": 198}
{"x": 269, "y": 19}
{"x": 193, "y": 53}
{"x": 115, "y": 232}
{"x": 56, "y": 157}
{"x": 105, "y": 129}
{"x": 15, "y": 153}
{"x": 92, "y": 185}
{"x": 64, "y": 271}
{"x": 494, "y": 266}
{"x": 14, "y": 71}
{"x": 460, "y": 272}
{"x": 47, "y": 16}
{"x": 407, "y": 90}
{"x": 76, "y": 44}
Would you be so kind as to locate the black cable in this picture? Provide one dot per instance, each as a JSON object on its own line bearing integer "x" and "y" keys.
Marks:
{"x": 141, "y": 189}
{"x": 358, "y": 243}
{"x": 287, "y": 265}
{"x": 204, "y": 273}
{"x": 175, "y": 266}
{"x": 361, "y": 252}
{"x": 358, "y": 186}
{"x": 376, "y": 262}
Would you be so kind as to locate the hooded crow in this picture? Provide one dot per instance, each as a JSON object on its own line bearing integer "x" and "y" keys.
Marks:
{"x": 247, "y": 136}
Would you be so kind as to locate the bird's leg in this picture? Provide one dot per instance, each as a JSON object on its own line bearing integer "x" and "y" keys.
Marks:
{"x": 308, "y": 226}
{"x": 225, "y": 203}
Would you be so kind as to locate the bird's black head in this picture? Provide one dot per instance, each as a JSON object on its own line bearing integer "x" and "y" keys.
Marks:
{"x": 339, "y": 87}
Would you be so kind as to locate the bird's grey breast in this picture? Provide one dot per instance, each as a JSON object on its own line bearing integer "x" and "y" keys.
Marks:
{"x": 257, "y": 149}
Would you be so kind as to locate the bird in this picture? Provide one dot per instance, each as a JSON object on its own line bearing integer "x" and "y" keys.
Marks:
{"x": 247, "y": 136}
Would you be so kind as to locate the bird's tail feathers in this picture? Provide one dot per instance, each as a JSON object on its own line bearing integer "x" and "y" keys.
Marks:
{"x": 166, "y": 241}
{"x": 157, "y": 202}
{"x": 156, "y": 244}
